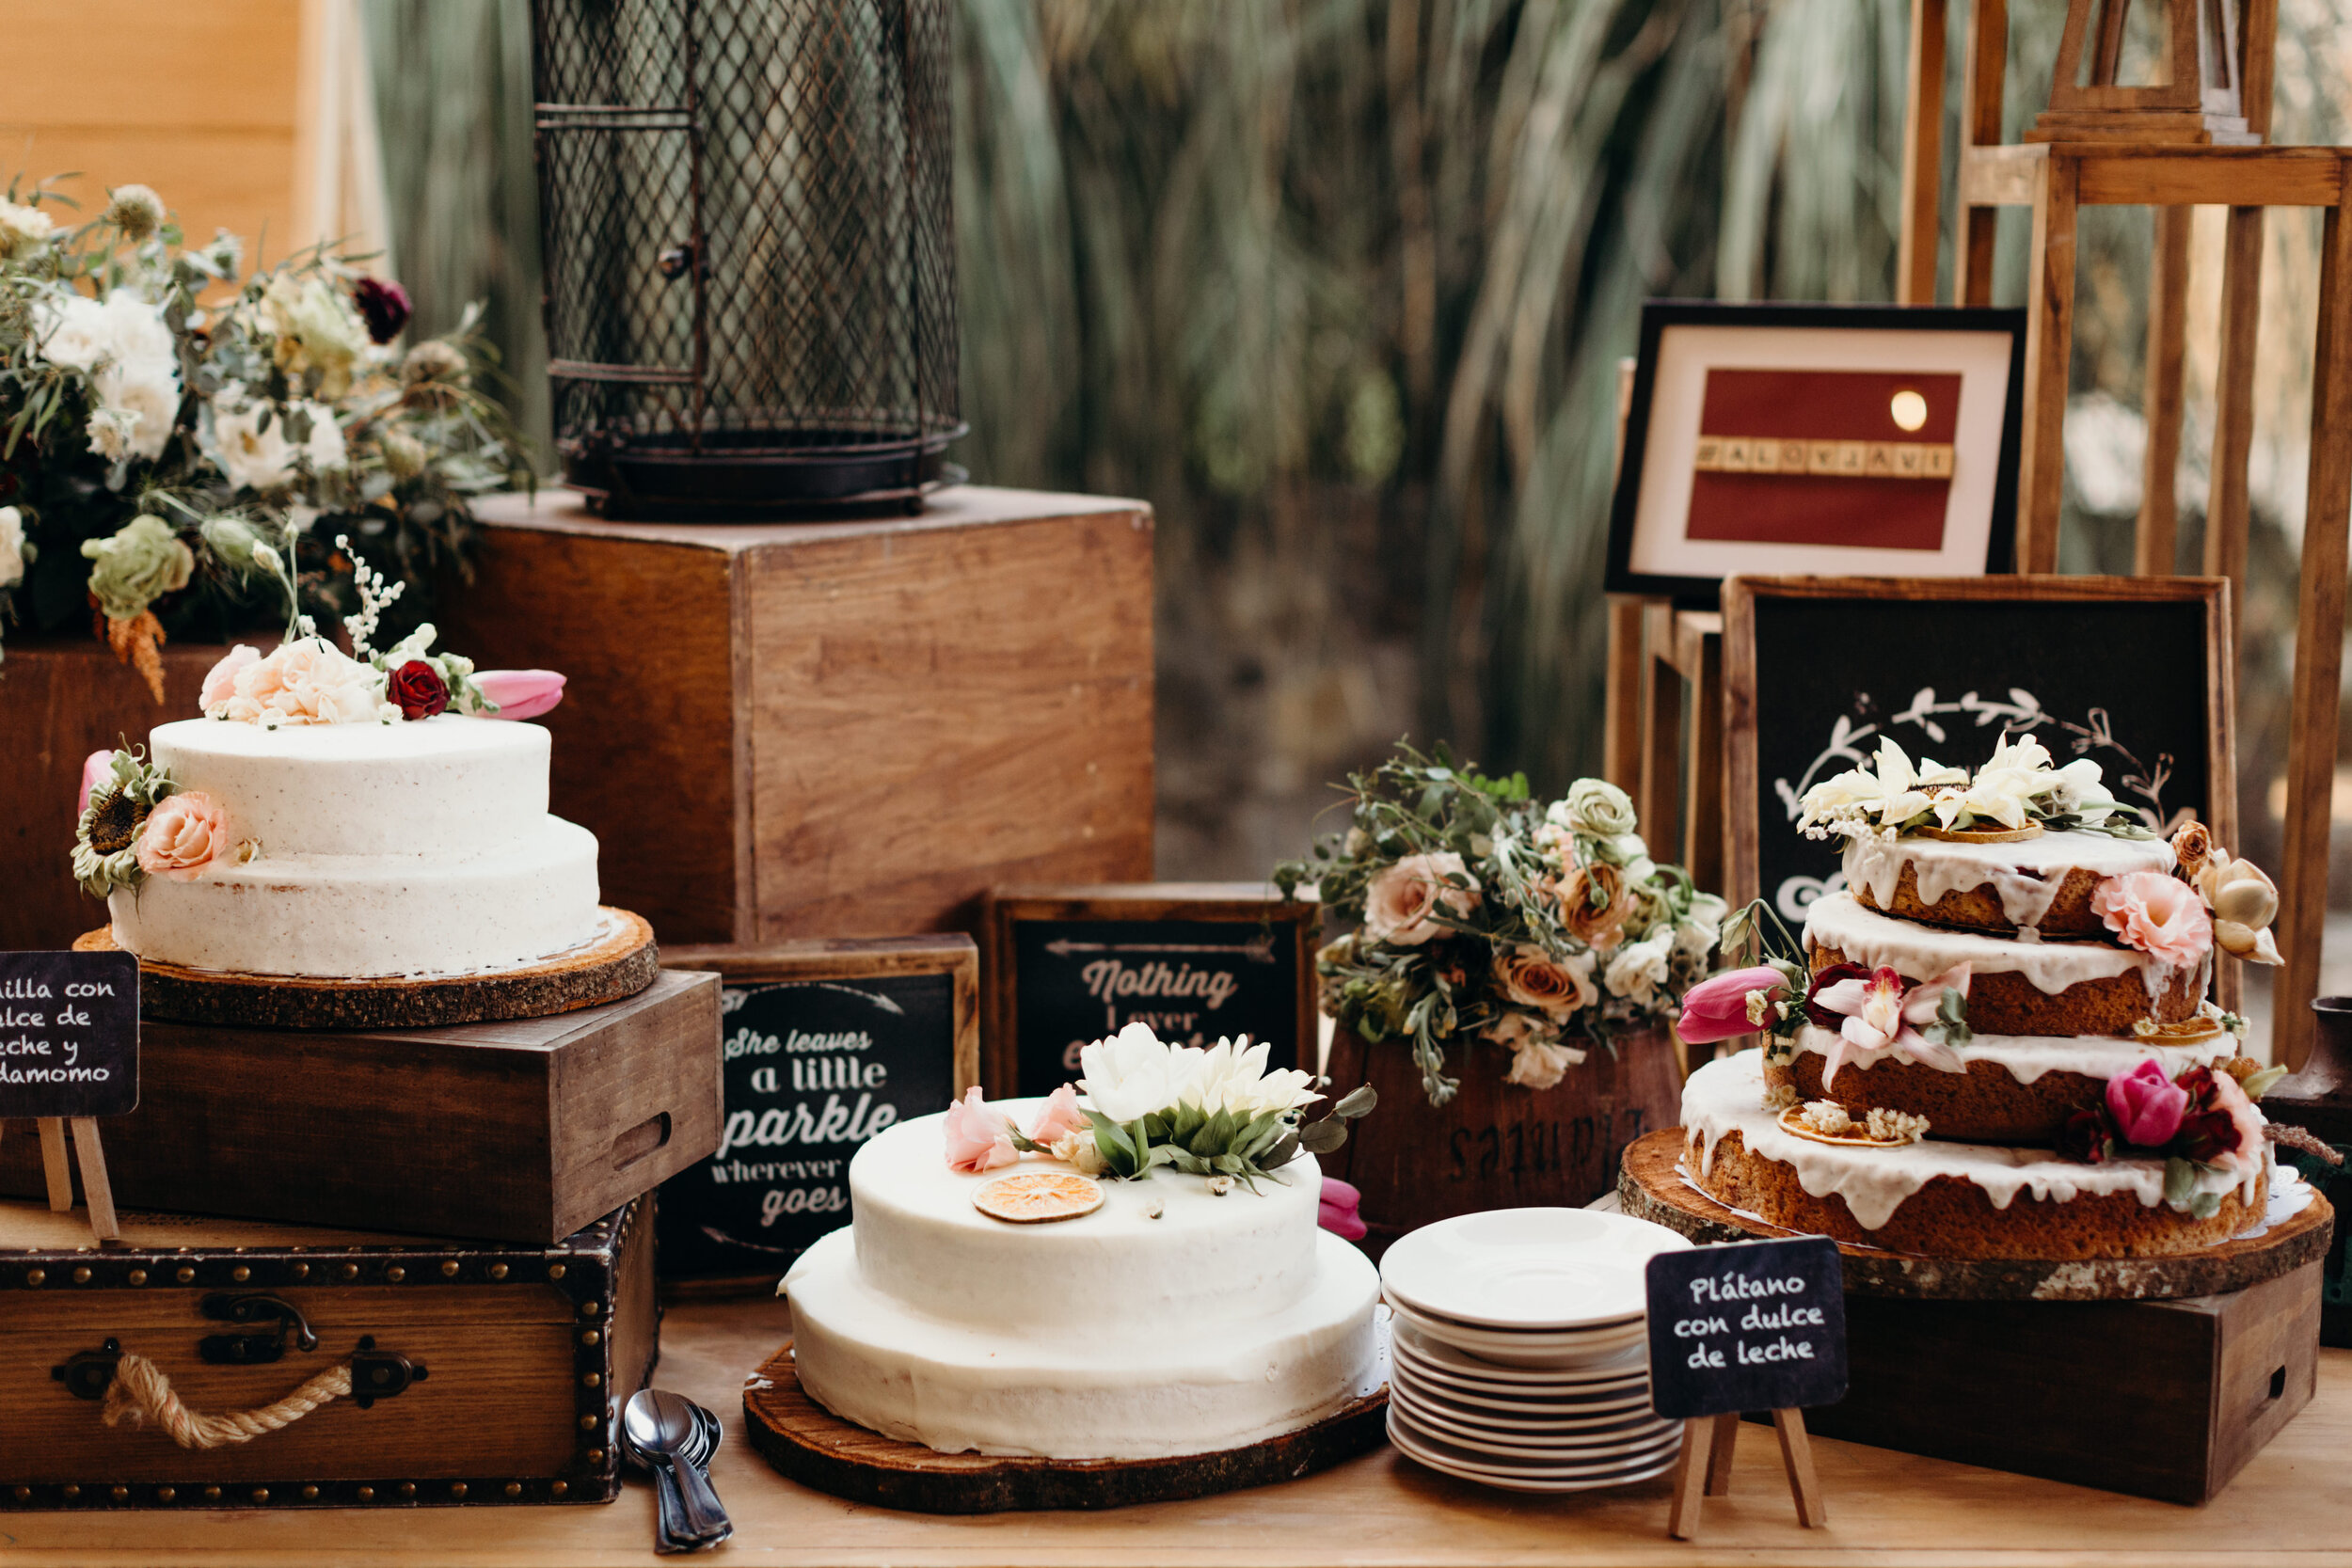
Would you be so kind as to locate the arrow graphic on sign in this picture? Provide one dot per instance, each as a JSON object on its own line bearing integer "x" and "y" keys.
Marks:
{"x": 1258, "y": 952}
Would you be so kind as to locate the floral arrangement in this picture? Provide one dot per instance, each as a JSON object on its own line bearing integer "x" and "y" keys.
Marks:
{"x": 2201, "y": 1121}
{"x": 1874, "y": 1013}
{"x": 1485, "y": 916}
{"x": 1217, "y": 1113}
{"x": 2016, "y": 791}
{"x": 179, "y": 437}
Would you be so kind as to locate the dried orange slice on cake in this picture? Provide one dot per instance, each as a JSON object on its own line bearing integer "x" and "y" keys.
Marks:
{"x": 1034, "y": 1198}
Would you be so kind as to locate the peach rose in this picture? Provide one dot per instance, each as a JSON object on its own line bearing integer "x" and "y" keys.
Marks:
{"x": 1400, "y": 901}
{"x": 976, "y": 1136}
{"x": 220, "y": 682}
{"x": 1595, "y": 901}
{"x": 1532, "y": 978}
{"x": 1059, "y": 1116}
{"x": 2159, "y": 914}
{"x": 182, "y": 837}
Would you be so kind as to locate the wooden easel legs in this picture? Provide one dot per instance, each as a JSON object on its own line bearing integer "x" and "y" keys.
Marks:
{"x": 1705, "y": 1469}
{"x": 96, "y": 1188}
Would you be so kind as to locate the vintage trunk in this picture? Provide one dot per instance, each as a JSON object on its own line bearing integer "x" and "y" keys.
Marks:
{"x": 497, "y": 1373}
{"x": 835, "y": 729}
{"x": 1494, "y": 1145}
{"x": 515, "y": 1131}
{"x": 2159, "y": 1399}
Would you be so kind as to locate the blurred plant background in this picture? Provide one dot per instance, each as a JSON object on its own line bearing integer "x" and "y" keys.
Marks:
{"x": 1340, "y": 286}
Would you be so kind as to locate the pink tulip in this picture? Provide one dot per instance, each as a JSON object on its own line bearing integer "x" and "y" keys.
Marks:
{"x": 1717, "y": 1009}
{"x": 977, "y": 1139}
{"x": 520, "y": 693}
{"x": 97, "y": 768}
{"x": 2148, "y": 1106}
{"x": 1336, "y": 1212}
{"x": 1057, "y": 1116}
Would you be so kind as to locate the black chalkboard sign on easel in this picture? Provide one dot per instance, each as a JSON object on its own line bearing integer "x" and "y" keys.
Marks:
{"x": 68, "y": 1055}
{"x": 2133, "y": 672}
{"x": 1747, "y": 1325}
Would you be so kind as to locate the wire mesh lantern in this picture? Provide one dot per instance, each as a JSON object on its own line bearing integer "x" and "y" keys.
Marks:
{"x": 750, "y": 252}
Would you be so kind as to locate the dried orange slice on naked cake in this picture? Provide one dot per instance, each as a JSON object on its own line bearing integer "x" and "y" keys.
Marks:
{"x": 1034, "y": 1198}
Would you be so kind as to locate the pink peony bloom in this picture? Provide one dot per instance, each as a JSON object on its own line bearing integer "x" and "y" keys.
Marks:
{"x": 1336, "y": 1213}
{"x": 520, "y": 693}
{"x": 1717, "y": 1009}
{"x": 976, "y": 1136}
{"x": 2147, "y": 1106}
{"x": 1057, "y": 1116}
{"x": 220, "y": 682}
{"x": 182, "y": 837}
{"x": 97, "y": 768}
{"x": 1400, "y": 900}
{"x": 1881, "y": 1017}
{"x": 2159, "y": 914}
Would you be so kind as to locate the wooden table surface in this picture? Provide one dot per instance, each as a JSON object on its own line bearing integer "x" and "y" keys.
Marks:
{"x": 2293, "y": 1503}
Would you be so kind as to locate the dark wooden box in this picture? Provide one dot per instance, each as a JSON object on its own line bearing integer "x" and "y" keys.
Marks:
{"x": 2159, "y": 1399}
{"x": 514, "y": 1131}
{"x": 833, "y": 729}
{"x": 527, "y": 1355}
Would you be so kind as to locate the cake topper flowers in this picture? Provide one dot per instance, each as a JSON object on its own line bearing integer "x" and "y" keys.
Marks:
{"x": 2202, "y": 1120}
{"x": 2017, "y": 791}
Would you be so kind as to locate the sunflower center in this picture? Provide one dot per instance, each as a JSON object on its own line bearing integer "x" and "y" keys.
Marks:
{"x": 115, "y": 822}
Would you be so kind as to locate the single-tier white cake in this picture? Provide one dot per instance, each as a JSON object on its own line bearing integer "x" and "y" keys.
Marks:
{"x": 367, "y": 850}
{"x": 1171, "y": 1321}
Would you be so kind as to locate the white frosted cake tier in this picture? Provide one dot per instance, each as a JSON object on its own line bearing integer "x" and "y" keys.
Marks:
{"x": 2024, "y": 876}
{"x": 2027, "y": 1058}
{"x": 1919, "y": 952}
{"x": 1202, "y": 1259}
{"x": 447, "y": 783}
{"x": 1225, "y": 1320}
{"x": 421, "y": 913}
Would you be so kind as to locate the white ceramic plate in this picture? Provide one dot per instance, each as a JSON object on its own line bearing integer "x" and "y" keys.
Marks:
{"x": 1540, "y": 1407}
{"x": 1529, "y": 1350}
{"x": 1527, "y": 1268}
{"x": 1519, "y": 1483}
{"x": 1534, "y": 1420}
{"x": 1424, "y": 1446}
{"x": 1638, "y": 1427}
{"x": 1629, "y": 1360}
{"x": 1564, "y": 1399}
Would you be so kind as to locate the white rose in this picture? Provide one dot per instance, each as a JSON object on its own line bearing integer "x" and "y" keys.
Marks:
{"x": 71, "y": 331}
{"x": 12, "y": 546}
{"x": 1132, "y": 1074}
{"x": 1639, "y": 968}
{"x": 252, "y": 457}
{"x": 23, "y": 229}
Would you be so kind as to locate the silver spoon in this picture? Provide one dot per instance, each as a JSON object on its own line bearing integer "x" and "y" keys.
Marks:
{"x": 669, "y": 1534}
{"x": 664, "y": 1427}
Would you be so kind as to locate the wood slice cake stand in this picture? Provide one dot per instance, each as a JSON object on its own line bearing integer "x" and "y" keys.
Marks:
{"x": 811, "y": 1444}
{"x": 621, "y": 961}
{"x": 1650, "y": 1189}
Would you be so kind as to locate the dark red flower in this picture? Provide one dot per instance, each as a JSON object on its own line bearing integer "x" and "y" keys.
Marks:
{"x": 418, "y": 689}
{"x": 2205, "y": 1135}
{"x": 1828, "y": 977}
{"x": 385, "y": 304}
{"x": 2088, "y": 1136}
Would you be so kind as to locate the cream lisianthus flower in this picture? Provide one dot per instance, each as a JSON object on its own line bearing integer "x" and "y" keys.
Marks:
{"x": 1132, "y": 1074}
{"x": 250, "y": 446}
{"x": 23, "y": 229}
{"x": 1639, "y": 968}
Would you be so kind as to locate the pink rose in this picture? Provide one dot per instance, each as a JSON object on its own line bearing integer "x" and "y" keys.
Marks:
{"x": 182, "y": 837}
{"x": 2159, "y": 914}
{"x": 1717, "y": 1009}
{"x": 1400, "y": 900}
{"x": 97, "y": 768}
{"x": 1336, "y": 1213}
{"x": 220, "y": 682}
{"x": 976, "y": 1137}
{"x": 1059, "y": 1116}
{"x": 2147, "y": 1106}
{"x": 520, "y": 693}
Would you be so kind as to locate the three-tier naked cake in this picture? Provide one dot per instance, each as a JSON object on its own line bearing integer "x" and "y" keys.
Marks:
{"x": 979, "y": 1301}
{"x": 343, "y": 818}
{"x": 1995, "y": 1042}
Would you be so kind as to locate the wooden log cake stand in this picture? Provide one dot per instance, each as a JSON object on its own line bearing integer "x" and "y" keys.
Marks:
{"x": 619, "y": 963}
{"x": 1650, "y": 1189}
{"x": 849, "y": 728}
{"x": 811, "y": 1444}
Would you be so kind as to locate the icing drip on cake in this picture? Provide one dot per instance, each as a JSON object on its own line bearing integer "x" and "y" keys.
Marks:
{"x": 2024, "y": 876}
{"x": 2028, "y": 1056}
{"x": 1726, "y": 1096}
{"x": 1921, "y": 952}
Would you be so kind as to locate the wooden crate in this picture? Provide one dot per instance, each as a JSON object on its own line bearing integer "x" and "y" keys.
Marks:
{"x": 517, "y": 1132}
{"x": 2159, "y": 1399}
{"x": 840, "y": 729}
{"x": 527, "y": 1355}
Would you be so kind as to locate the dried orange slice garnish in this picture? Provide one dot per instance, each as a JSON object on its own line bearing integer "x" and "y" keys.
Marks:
{"x": 1035, "y": 1197}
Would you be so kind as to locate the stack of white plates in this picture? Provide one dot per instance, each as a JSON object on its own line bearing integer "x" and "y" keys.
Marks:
{"x": 1520, "y": 1352}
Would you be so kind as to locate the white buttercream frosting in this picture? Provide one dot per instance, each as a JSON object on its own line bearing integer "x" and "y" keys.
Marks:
{"x": 1918, "y": 952}
{"x": 1116, "y": 1335}
{"x": 2028, "y": 1056}
{"x": 2024, "y": 876}
{"x": 1727, "y": 1095}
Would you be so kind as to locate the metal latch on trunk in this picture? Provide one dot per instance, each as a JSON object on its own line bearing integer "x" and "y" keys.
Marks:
{"x": 242, "y": 1350}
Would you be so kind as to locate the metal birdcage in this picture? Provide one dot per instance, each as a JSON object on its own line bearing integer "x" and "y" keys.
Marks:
{"x": 750, "y": 233}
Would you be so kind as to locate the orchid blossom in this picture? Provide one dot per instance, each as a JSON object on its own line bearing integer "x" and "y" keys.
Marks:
{"x": 1879, "y": 1016}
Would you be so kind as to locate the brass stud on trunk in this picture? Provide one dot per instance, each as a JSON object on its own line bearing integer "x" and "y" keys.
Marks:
{"x": 395, "y": 1274}
{"x": 309, "y": 1493}
{"x": 366, "y": 1493}
{"x": 184, "y": 1275}
{"x": 81, "y": 1275}
{"x": 456, "y": 1488}
{"x": 36, "y": 1276}
{"x": 166, "y": 1494}
{"x": 240, "y": 1274}
{"x": 137, "y": 1277}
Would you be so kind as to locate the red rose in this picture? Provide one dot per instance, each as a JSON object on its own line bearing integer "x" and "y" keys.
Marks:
{"x": 418, "y": 689}
{"x": 384, "y": 305}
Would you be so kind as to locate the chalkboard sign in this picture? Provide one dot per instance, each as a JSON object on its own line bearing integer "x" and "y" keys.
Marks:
{"x": 69, "y": 1033}
{"x": 1748, "y": 1326}
{"x": 1069, "y": 966}
{"x": 2130, "y": 673}
{"x": 825, "y": 1045}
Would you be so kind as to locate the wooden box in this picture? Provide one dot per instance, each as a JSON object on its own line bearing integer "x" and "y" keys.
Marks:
{"x": 491, "y": 1374}
{"x": 514, "y": 1131}
{"x": 2159, "y": 1399}
{"x": 839, "y": 729}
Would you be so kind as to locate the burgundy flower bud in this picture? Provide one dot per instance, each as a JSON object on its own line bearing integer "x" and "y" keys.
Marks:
{"x": 418, "y": 689}
{"x": 2088, "y": 1136}
{"x": 1822, "y": 981}
{"x": 384, "y": 305}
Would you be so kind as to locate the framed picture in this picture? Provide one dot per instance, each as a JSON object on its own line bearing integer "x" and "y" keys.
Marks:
{"x": 1837, "y": 441}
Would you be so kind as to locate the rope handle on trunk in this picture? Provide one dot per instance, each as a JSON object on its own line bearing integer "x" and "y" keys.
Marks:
{"x": 141, "y": 1394}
